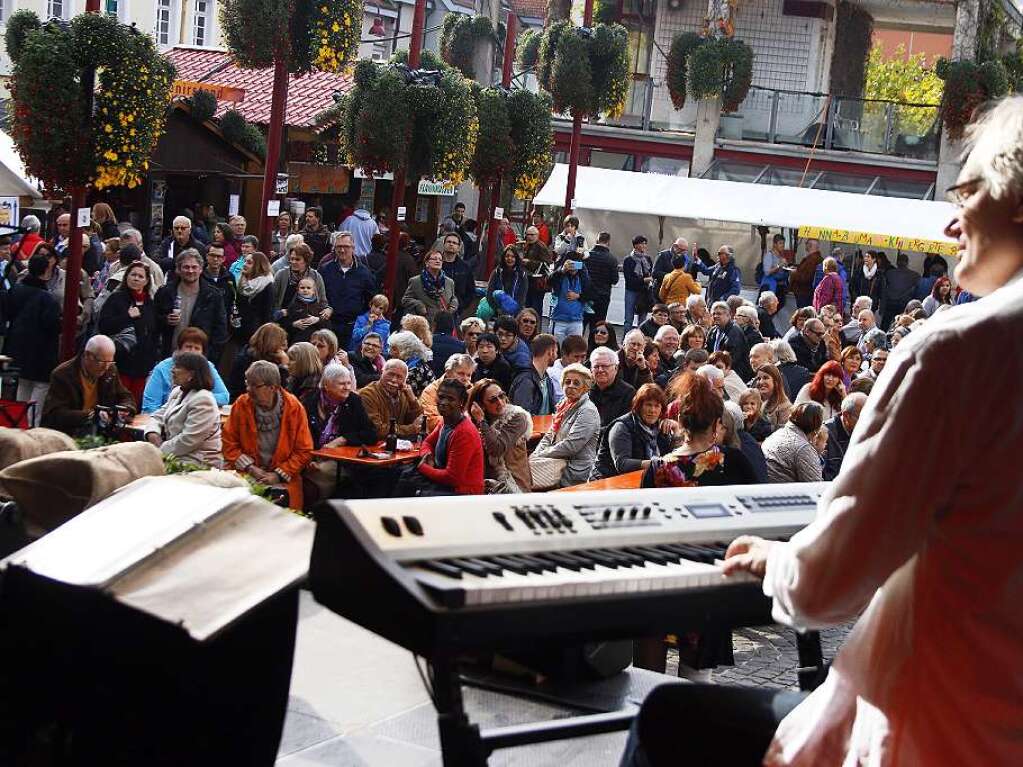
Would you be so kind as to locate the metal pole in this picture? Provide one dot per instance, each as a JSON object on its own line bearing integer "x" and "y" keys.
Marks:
{"x": 278, "y": 104}
{"x": 73, "y": 266}
{"x": 495, "y": 194}
{"x": 577, "y": 128}
{"x": 398, "y": 198}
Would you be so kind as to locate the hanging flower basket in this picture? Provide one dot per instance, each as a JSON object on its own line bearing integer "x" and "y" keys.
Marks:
{"x": 585, "y": 71}
{"x": 61, "y": 145}
{"x": 705, "y": 68}
{"x": 967, "y": 86}
{"x": 460, "y": 38}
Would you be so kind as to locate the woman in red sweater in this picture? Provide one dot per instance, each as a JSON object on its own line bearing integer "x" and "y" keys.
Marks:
{"x": 452, "y": 456}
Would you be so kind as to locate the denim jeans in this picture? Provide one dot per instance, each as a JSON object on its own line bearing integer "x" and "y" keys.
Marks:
{"x": 632, "y": 297}
{"x": 561, "y": 329}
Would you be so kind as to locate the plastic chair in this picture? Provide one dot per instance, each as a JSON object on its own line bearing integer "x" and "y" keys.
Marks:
{"x": 17, "y": 415}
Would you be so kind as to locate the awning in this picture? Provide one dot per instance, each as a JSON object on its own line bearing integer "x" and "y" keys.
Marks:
{"x": 864, "y": 219}
{"x": 14, "y": 182}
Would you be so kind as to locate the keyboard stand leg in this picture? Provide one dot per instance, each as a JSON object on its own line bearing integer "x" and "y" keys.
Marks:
{"x": 460, "y": 742}
{"x": 811, "y": 671}
{"x": 650, "y": 653}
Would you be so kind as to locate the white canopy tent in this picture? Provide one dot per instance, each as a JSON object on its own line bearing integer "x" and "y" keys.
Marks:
{"x": 689, "y": 206}
{"x": 14, "y": 181}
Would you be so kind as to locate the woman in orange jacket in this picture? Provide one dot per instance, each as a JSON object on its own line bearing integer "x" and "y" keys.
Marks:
{"x": 267, "y": 434}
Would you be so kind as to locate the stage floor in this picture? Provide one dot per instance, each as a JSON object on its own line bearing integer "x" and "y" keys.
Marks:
{"x": 356, "y": 699}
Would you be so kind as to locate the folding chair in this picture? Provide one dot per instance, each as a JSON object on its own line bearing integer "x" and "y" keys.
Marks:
{"x": 17, "y": 415}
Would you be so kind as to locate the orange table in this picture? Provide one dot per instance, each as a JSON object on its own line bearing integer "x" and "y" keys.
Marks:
{"x": 628, "y": 481}
{"x": 350, "y": 454}
{"x": 541, "y": 423}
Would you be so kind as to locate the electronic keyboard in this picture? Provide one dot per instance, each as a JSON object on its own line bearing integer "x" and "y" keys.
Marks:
{"x": 494, "y": 571}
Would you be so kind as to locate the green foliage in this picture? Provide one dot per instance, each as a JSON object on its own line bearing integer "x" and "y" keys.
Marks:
{"x": 495, "y": 150}
{"x": 459, "y": 38}
{"x": 18, "y": 26}
{"x": 385, "y": 123}
{"x": 904, "y": 79}
{"x": 558, "y": 10}
{"x": 682, "y": 44}
{"x": 737, "y": 59}
{"x": 204, "y": 105}
{"x": 605, "y": 11}
{"x": 254, "y": 140}
{"x": 967, "y": 86}
{"x": 312, "y": 34}
{"x": 112, "y": 146}
{"x": 527, "y": 52}
{"x": 238, "y": 130}
{"x": 585, "y": 74}
{"x": 531, "y": 133}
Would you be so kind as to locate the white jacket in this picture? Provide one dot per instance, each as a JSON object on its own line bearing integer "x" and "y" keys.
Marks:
{"x": 190, "y": 427}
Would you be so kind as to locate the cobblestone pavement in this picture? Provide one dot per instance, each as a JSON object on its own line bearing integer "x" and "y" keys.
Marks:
{"x": 766, "y": 656}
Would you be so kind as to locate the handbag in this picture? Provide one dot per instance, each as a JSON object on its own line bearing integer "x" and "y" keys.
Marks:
{"x": 125, "y": 340}
{"x": 546, "y": 472}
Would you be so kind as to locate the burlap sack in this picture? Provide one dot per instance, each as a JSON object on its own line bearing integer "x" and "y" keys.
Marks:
{"x": 52, "y": 489}
{"x": 18, "y": 445}
{"x": 215, "y": 478}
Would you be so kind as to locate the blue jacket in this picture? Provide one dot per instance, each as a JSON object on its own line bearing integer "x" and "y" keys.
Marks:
{"x": 520, "y": 358}
{"x": 561, "y": 283}
{"x": 348, "y": 292}
{"x": 382, "y": 327}
{"x": 725, "y": 281}
{"x": 158, "y": 387}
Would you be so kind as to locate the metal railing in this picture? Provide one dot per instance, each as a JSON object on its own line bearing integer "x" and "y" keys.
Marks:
{"x": 798, "y": 118}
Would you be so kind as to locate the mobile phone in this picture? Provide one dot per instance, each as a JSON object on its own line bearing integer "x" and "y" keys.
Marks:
{"x": 578, "y": 265}
{"x": 579, "y": 240}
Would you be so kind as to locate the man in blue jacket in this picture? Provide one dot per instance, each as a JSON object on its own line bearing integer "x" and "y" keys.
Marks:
{"x": 349, "y": 287}
{"x": 725, "y": 277}
{"x": 363, "y": 227}
{"x": 567, "y": 286}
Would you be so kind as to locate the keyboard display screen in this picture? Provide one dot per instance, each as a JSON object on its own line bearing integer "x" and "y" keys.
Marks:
{"x": 707, "y": 510}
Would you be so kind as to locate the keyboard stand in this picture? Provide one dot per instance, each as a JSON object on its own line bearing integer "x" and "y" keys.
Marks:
{"x": 463, "y": 744}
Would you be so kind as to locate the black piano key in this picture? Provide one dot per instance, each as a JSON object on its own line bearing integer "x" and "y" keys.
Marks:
{"x": 673, "y": 556}
{"x": 558, "y": 560}
{"x": 580, "y": 560}
{"x": 470, "y": 567}
{"x": 650, "y": 555}
{"x": 442, "y": 568}
{"x": 543, "y": 564}
{"x": 700, "y": 553}
{"x": 715, "y": 552}
{"x": 508, "y": 564}
{"x": 491, "y": 568}
{"x": 600, "y": 558}
{"x": 627, "y": 559}
{"x": 689, "y": 552}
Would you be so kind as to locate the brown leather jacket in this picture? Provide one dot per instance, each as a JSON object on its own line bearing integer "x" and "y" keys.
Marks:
{"x": 62, "y": 409}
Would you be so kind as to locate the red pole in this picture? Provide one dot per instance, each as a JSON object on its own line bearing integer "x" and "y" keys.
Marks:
{"x": 398, "y": 198}
{"x": 278, "y": 105}
{"x": 495, "y": 194}
{"x": 73, "y": 266}
{"x": 577, "y": 128}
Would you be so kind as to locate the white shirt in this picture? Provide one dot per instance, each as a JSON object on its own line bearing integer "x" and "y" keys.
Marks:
{"x": 922, "y": 533}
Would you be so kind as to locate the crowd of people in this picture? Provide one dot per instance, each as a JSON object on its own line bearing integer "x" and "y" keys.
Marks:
{"x": 309, "y": 352}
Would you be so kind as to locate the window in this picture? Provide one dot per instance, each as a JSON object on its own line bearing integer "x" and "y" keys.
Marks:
{"x": 57, "y": 9}
{"x": 201, "y": 23}
{"x": 3, "y": 11}
{"x": 164, "y": 22}
{"x": 111, "y": 7}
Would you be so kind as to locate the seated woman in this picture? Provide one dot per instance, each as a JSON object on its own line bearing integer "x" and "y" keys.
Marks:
{"x": 735, "y": 436}
{"x": 406, "y": 346}
{"x": 505, "y": 429}
{"x": 753, "y": 421}
{"x": 368, "y": 363}
{"x": 631, "y": 440}
{"x": 267, "y": 434}
{"x": 336, "y": 418}
{"x": 777, "y": 407}
{"x": 452, "y": 455}
{"x": 373, "y": 321}
{"x": 851, "y": 360}
{"x": 159, "y": 385}
{"x": 791, "y": 452}
{"x": 601, "y": 334}
{"x": 268, "y": 343}
{"x": 825, "y": 389}
{"x": 565, "y": 454}
{"x": 699, "y": 460}
{"x": 188, "y": 425}
{"x": 304, "y": 369}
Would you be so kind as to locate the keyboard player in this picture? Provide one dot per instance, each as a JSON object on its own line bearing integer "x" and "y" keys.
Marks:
{"x": 919, "y": 536}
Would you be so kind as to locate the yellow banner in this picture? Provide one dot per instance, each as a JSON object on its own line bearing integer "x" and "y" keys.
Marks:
{"x": 879, "y": 240}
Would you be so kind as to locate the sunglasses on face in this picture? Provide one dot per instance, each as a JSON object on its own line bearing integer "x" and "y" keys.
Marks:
{"x": 497, "y": 398}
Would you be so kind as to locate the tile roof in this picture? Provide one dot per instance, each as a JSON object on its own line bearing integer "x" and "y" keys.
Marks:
{"x": 529, "y": 9}
{"x": 308, "y": 95}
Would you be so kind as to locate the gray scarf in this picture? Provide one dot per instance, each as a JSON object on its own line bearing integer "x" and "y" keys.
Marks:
{"x": 268, "y": 426}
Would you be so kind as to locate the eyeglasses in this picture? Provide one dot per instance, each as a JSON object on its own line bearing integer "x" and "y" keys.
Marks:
{"x": 527, "y": 321}
{"x": 601, "y": 366}
{"x": 600, "y": 332}
{"x": 99, "y": 360}
{"x": 497, "y": 398}
{"x": 253, "y": 386}
{"x": 472, "y": 334}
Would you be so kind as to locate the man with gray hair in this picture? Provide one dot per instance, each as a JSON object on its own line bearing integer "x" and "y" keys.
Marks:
{"x": 851, "y": 331}
{"x": 132, "y": 236}
{"x": 81, "y": 384}
{"x": 611, "y": 395}
{"x": 459, "y": 367}
{"x": 26, "y": 246}
{"x": 697, "y": 312}
{"x": 178, "y": 240}
{"x": 793, "y": 375}
{"x": 631, "y": 363}
{"x": 187, "y": 300}
{"x": 715, "y": 377}
{"x": 726, "y": 336}
{"x": 664, "y": 263}
{"x": 840, "y": 428}
{"x": 391, "y": 398}
{"x": 725, "y": 277}
{"x": 767, "y": 307}
{"x": 759, "y": 355}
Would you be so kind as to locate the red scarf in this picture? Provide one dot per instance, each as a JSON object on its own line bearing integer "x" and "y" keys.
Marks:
{"x": 138, "y": 296}
{"x": 559, "y": 414}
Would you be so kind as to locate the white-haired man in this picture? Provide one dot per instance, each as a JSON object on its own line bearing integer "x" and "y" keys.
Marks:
{"x": 30, "y": 240}
{"x": 631, "y": 363}
{"x": 840, "y": 428}
{"x": 132, "y": 236}
{"x": 851, "y": 331}
{"x": 663, "y": 264}
{"x": 392, "y": 397}
{"x": 767, "y": 308}
{"x": 611, "y": 395}
{"x": 726, "y": 336}
{"x": 759, "y": 355}
{"x": 459, "y": 367}
{"x": 697, "y": 312}
{"x": 942, "y": 538}
{"x": 178, "y": 240}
